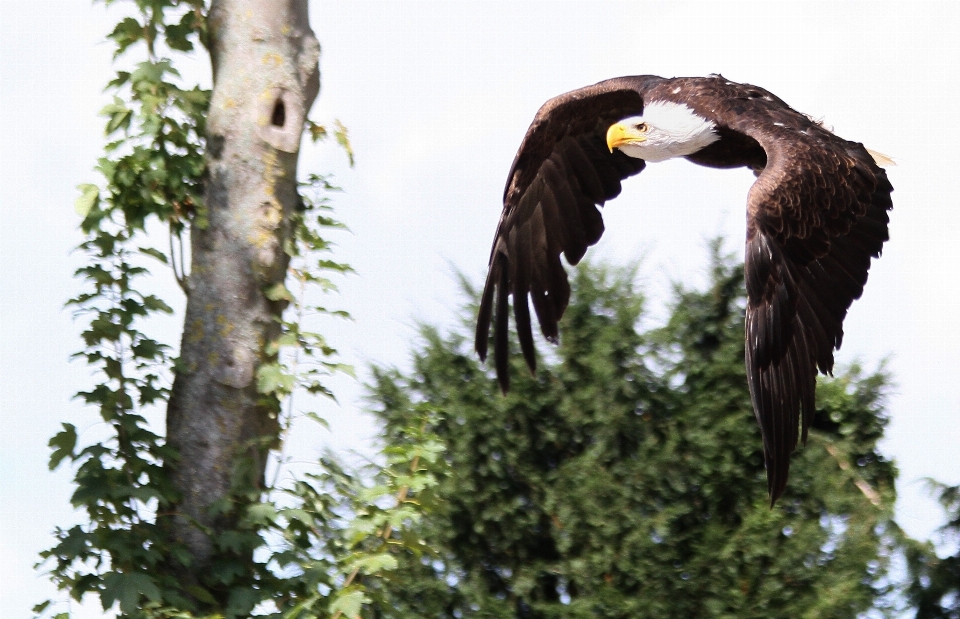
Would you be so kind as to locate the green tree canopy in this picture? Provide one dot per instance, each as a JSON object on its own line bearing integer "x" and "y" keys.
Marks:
{"x": 626, "y": 478}
{"x": 934, "y": 587}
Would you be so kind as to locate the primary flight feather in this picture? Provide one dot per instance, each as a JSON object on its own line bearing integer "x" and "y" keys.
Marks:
{"x": 816, "y": 215}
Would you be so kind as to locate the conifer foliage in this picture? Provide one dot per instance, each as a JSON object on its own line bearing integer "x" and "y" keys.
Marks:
{"x": 934, "y": 586}
{"x": 626, "y": 478}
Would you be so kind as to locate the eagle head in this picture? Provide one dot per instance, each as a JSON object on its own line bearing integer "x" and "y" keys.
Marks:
{"x": 665, "y": 130}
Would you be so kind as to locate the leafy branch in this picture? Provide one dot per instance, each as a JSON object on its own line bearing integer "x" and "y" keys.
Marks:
{"x": 341, "y": 525}
{"x": 152, "y": 171}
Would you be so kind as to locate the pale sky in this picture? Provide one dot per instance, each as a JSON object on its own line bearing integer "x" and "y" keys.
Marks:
{"x": 437, "y": 97}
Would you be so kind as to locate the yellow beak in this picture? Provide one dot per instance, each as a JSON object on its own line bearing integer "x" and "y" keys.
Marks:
{"x": 619, "y": 134}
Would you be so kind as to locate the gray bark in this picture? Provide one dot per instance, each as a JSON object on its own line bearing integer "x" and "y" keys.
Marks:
{"x": 265, "y": 80}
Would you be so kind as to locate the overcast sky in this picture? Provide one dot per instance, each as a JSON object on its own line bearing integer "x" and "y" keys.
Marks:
{"x": 437, "y": 97}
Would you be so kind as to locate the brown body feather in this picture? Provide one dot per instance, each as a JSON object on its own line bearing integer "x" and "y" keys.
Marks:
{"x": 816, "y": 215}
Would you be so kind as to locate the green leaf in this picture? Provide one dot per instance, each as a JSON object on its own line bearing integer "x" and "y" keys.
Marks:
{"x": 318, "y": 419}
{"x": 201, "y": 594}
{"x": 42, "y": 606}
{"x": 237, "y": 541}
{"x": 343, "y": 139}
{"x": 375, "y": 563}
{"x": 349, "y": 602}
{"x": 178, "y": 34}
{"x": 64, "y": 442}
{"x": 242, "y": 601}
{"x": 119, "y": 119}
{"x": 156, "y": 304}
{"x": 278, "y": 292}
{"x": 298, "y": 514}
{"x": 89, "y": 196}
{"x": 127, "y": 32}
{"x": 317, "y": 132}
{"x": 262, "y": 513}
{"x": 155, "y": 253}
{"x": 272, "y": 378}
{"x": 127, "y": 589}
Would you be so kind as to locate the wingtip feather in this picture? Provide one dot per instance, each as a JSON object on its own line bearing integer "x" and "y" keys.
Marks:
{"x": 501, "y": 339}
{"x": 884, "y": 161}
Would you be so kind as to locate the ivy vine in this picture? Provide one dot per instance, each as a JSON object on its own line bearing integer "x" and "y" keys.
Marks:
{"x": 317, "y": 538}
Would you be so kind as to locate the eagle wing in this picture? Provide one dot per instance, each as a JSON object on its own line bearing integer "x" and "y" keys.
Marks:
{"x": 561, "y": 174}
{"x": 816, "y": 215}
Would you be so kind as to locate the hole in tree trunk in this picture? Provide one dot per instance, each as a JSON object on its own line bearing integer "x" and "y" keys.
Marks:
{"x": 279, "y": 116}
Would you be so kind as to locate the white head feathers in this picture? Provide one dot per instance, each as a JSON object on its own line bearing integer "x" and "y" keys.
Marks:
{"x": 672, "y": 130}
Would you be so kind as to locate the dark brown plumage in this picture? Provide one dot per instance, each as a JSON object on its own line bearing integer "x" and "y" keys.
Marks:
{"x": 817, "y": 214}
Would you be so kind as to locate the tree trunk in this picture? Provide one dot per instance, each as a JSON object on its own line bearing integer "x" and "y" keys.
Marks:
{"x": 265, "y": 78}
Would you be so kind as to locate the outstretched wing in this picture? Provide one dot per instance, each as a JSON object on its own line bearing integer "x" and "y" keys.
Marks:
{"x": 561, "y": 174}
{"x": 816, "y": 215}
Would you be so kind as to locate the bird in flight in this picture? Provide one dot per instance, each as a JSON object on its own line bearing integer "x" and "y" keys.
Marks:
{"x": 816, "y": 215}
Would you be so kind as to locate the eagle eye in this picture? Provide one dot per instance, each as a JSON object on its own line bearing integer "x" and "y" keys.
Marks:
{"x": 641, "y": 127}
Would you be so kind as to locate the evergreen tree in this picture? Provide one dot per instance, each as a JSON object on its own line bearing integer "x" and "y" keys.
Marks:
{"x": 934, "y": 588}
{"x": 626, "y": 478}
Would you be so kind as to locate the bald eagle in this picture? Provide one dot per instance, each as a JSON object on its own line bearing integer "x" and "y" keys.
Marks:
{"x": 816, "y": 215}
